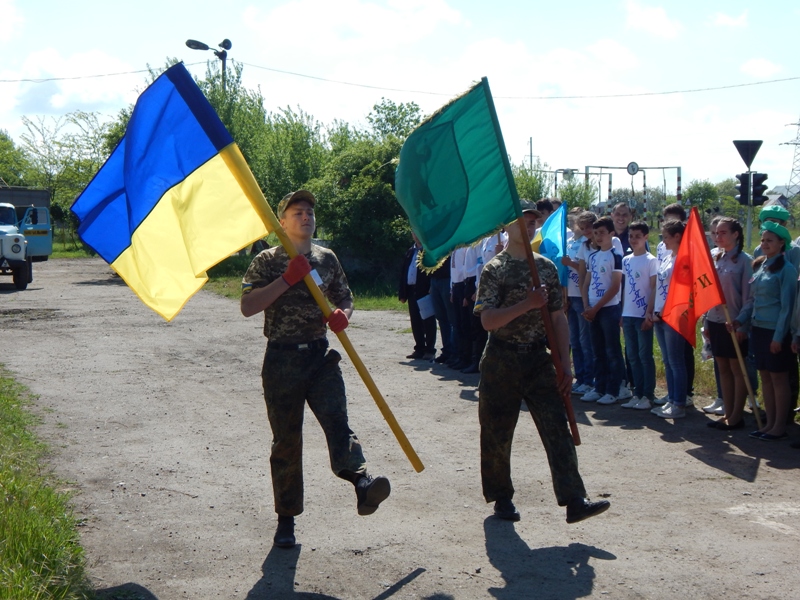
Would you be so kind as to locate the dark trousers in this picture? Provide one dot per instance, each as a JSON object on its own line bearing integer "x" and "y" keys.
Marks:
{"x": 291, "y": 378}
{"x": 463, "y": 325}
{"x": 609, "y": 365}
{"x": 424, "y": 330}
{"x": 507, "y": 377}
{"x": 445, "y": 315}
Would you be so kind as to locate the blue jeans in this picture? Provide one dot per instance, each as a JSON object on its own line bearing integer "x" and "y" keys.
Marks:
{"x": 672, "y": 346}
{"x": 639, "y": 350}
{"x": 580, "y": 339}
{"x": 445, "y": 315}
{"x": 609, "y": 366}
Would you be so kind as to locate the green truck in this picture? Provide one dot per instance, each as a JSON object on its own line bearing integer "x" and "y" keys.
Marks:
{"x": 26, "y": 232}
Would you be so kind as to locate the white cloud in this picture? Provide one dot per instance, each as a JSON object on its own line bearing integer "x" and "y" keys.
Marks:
{"x": 348, "y": 27}
{"x": 760, "y": 68}
{"x": 653, "y": 20}
{"x": 91, "y": 93}
{"x": 11, "y": 21}
{"x": 614, "y": 55}
{"x": 723, "y": 20}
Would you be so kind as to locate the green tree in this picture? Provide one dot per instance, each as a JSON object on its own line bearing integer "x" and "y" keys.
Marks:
{"x": 399, "y": 120}
{"x": 577, "y": 192}
{"x": 532, "y": 184}
{"x": 702, "y": 194}
{"x": 13, "y": 161}
{"x": 358, "y": 212}
{"x": 645, "y": 204}
{"x": 64, "y": 154}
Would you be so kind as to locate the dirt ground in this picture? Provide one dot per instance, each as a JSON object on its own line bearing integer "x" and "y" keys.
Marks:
{"x": 160, "y": 430}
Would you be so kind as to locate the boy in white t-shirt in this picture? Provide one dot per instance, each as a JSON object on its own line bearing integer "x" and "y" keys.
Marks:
{"x": 580, "y": 337}
{"x": 640, "y": 269}
{"x": 601, "y": 293}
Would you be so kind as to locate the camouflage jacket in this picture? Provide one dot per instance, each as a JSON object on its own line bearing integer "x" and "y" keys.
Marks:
{"x": 504, "y": 282}
{"x": 295, "y": 318}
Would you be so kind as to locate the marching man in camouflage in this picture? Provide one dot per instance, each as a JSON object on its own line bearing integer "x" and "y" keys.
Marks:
{"x": 299, "y": 367}
{"x": 515, "y": 366}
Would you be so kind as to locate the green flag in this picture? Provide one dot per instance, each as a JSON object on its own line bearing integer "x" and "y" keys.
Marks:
{"x": 454, "y": 180}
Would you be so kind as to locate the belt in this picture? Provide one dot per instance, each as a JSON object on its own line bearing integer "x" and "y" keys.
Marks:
{"x": 313, "y": 345}
{"x": 518, "y": 348}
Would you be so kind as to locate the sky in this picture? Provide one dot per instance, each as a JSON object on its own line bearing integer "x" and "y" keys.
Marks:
{"x": 576, "y": 84}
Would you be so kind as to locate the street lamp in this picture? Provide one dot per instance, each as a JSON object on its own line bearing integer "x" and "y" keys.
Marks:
{"x": 220, "y": 54}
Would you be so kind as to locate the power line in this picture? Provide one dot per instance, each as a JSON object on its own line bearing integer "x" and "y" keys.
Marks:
{"x": 429, "y": 93}
{"x": 48, "y": 79}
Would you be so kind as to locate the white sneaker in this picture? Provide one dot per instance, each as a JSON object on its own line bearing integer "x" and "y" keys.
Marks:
{"x": 590, "y": 396}
{"x": 631, "y": 403}
{"x": 714, "y": 406}
{"x": 672, "y": 411}
{"x": 624, "y": 392}
{"x": 584, "y": 388}
{"x": 720, "y": 411}
{"x": 689, "y": 402}
{"x": 663, "y": 400}
{"x": 656, "y": 410}
{"x": 607, "y": 399}
{"x": 643, "y": 404}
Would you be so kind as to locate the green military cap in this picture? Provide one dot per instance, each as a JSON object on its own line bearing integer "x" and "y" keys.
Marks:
{"x": 293, "y": 197}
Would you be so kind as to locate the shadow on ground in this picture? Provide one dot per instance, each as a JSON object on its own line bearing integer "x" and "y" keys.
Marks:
{"x": 558, "y": 572}
{"x": 126, "y": 591}
{"x": 277, "y": 580}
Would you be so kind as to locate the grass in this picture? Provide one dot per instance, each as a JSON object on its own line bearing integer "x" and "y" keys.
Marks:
{"x": 225, "y": 279}
{"x": 40, "y": 554}
{"x": 68, "y": 249}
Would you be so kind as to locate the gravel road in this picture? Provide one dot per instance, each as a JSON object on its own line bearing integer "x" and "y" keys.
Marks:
{"x": 160, "y": 431}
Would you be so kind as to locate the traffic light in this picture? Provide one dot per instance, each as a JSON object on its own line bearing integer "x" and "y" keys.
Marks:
{"x": 743, "y": 197}
{"x": 759, "y": 188}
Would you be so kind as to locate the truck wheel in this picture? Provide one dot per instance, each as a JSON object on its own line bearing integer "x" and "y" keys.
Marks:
{"x": 20, "y": 276}
{"x": 30, "y": 270}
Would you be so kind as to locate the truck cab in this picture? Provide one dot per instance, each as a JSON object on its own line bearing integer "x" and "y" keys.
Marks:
{"x": 26, "y": 232}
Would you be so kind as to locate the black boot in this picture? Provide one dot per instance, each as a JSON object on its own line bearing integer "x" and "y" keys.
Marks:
{"x": 504, "y": 509}
{"x": 370, "y": 492}
{"x": 581, "y": 508}
{"x": 474, "y": 366}
{"x": 284, "y": 534}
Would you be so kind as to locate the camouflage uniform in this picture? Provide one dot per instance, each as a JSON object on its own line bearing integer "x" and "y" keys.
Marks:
{"x": 293, "y": 376}
{"x": 516, "y": 365}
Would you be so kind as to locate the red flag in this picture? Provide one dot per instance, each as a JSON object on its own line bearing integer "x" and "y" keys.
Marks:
{"x": 694, "y": 288}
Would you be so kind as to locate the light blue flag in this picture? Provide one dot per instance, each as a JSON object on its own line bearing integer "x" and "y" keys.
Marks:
{"x": 554, "y": 240}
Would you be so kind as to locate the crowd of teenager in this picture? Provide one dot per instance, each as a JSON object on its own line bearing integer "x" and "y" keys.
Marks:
{"x": 616, "y": 290}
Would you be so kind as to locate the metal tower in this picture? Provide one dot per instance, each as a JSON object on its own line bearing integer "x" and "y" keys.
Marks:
{"x": 794, "y": 181}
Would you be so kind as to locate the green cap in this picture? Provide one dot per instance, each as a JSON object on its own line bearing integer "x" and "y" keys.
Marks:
{"x": 293, "y": 197}
{"x": 530, "y": 207}
{"x": 778, "y": 230}
{"x": 774, "y": 211}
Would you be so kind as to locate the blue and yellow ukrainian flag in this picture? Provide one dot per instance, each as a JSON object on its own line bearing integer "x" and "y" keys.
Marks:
{"x": 174, "y": 198}
{"x": 551, "y": 240}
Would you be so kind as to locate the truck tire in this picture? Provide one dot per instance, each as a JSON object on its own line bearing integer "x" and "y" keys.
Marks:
{"x": 20, "y": 276}
{"x": 30, "y": 270}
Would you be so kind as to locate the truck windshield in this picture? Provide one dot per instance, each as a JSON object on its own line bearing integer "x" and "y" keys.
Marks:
{"x": 7, "y": 216}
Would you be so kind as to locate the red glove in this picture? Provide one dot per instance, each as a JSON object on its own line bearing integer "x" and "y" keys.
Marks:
{"x": 298, "y": 268}
{"x": 337, "y": 321}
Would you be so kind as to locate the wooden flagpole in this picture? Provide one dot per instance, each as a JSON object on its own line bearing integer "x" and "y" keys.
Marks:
{"x": 551, "y": 337}
{"x": 249, "y": 184}
{"x": 750, "y": 395}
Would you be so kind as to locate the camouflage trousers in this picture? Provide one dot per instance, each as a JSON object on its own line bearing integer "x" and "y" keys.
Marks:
{"x": 291, "y": 378}
{"x": 507, "y": 377}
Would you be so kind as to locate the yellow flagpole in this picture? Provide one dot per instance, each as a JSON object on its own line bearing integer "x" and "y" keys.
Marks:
{"x": 253, "y": 191}
{"x": 750, "y": 395}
